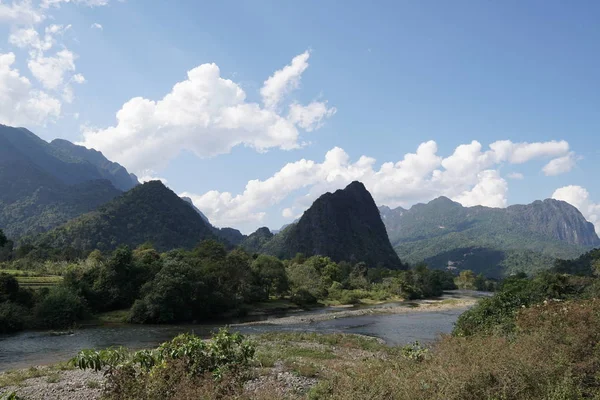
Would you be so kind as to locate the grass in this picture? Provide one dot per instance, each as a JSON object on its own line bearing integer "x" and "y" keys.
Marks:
{"x": 33, "y": 279}
{"x": 335, "y": 339}
{"x": 274, "y": 305}
{"x": 37, "y": 282}
{"x": 113, "y": 317}
{"x": 17, "y": 377}
{"x": 93, "y": 384}
{"x": 53, "y": 377}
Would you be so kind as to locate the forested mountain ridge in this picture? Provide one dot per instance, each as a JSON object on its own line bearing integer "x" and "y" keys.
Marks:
{"x": 344, "y": 225}
{"x": 43, "y": 186}
{"x": 493, "y": 241}
{"x": 114, "y": 172}
{"x": 150, "y": 212}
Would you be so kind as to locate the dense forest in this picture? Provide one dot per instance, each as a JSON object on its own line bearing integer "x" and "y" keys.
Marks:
{"x": 181, "y": 285}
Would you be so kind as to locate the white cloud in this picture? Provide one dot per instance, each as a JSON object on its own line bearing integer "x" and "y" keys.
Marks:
{"x": 205, "y": 114}
{"x": 580, "y": 198}
{"x": 78, "y": 78}
{"x": 20, "y": 103}
{"x": 284, "y": 80}
{"x": 98, "y": 26}
{"x": 560, "y": 165}
{"x": 51, "y": 71}
{"x": 516, "y": 176}
{"x": 469, "y": 175}
{"x": 490, "y": 191}
{"x": 312, "y": 116}
{"x": 149, "y": 175}
{"x": 55, "y": 72}
{"x": 20, "y": 13}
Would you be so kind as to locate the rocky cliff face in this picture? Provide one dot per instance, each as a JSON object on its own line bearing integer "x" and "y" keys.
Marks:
{"x": 345, "y": 225}
{"x": 556, "y": 219}
{"x": 493, "y": 241}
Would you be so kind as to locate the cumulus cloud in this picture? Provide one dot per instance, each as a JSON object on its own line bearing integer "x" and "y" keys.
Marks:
{"x": 490, "y": 191}
{"x": 284, "y": 80}
{"x": 312, "y": 116}
{"x": 51, "y": 71}
{"x": 560, "y": 165}
{"x": 20, "y": 13}
{"x": 206, "y": 114}
{"x": 579, "y": 197}
{"x": 20, "y": 103}
{"x": 469, "y": 175}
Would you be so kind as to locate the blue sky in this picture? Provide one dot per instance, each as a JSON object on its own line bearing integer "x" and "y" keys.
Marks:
{"x": 382, "y": 77}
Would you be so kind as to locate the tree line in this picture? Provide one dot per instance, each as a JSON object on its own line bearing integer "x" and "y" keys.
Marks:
{"x": 207, "y": 282}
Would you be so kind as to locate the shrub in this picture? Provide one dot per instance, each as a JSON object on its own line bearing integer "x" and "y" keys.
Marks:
{"x": 12, "y": 317}
{"x": 160, "y": 373}
{"x": 61, "y": 308}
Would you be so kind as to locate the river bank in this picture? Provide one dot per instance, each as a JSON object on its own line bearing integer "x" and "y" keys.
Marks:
{"x": 394, "y": 308}
{"x": 390, "y": 323}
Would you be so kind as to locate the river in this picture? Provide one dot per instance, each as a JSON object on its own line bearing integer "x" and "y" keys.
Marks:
{"x": 30, "y": 348}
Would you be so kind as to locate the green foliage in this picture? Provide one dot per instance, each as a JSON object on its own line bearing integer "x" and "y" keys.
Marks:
{"x": 12, "y": 317}
{"x": 61, "y": 308}
{"x": 414, "y": 351}
{"x": 155, "y": 373}
{"x": 270, "y": 275}
{"x": 496, "y": 315}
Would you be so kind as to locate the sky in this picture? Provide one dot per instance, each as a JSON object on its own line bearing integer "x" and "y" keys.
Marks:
{"x": 255, "y": 108}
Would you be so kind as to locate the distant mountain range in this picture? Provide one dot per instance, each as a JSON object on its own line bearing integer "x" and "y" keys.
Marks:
{"x": 494, "y": 241}
{"x": 43, "y": 185}
{"x": 60, "y": 194}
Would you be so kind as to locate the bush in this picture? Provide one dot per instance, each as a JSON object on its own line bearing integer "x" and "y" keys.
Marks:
{"x": 61, "y": 308}
{"x": 173, "y": 367}
{"x": 553, "y": 354}
{"x": 12, "y": 317}
{"x": 303, "y": 297}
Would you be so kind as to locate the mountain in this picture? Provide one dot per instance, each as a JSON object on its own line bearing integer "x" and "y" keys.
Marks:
{"x": 147, "y": 213}
{"x": 229, "y": 235}
{"x": 114, "y": 172}
{"x": 254, "y": 242}
{"x": 43, "y": 186}
{"x": 493, "y": 241}
{"x": 191, "y": 203}
{"x": 344, "y": 225}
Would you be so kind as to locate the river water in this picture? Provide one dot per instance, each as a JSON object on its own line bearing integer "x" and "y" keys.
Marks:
{"x": 30, "y": 348}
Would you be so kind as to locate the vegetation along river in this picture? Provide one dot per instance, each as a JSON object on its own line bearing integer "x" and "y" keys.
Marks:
{"x": 395, "y": 323}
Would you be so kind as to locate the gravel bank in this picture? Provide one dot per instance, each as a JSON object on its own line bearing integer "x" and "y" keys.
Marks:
{"x": 429, "y": 306}
{"x": 72, "y": 385}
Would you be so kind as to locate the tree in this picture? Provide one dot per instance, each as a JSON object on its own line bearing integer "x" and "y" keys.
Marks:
{"x": 211, "y": 250}
{"x": 270, "y": 275}
{"x": 3, "y": 238}
{"x": 60, "y": 309}
{"x": 176, "y": 294}
{"x": 9, "y": 287}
